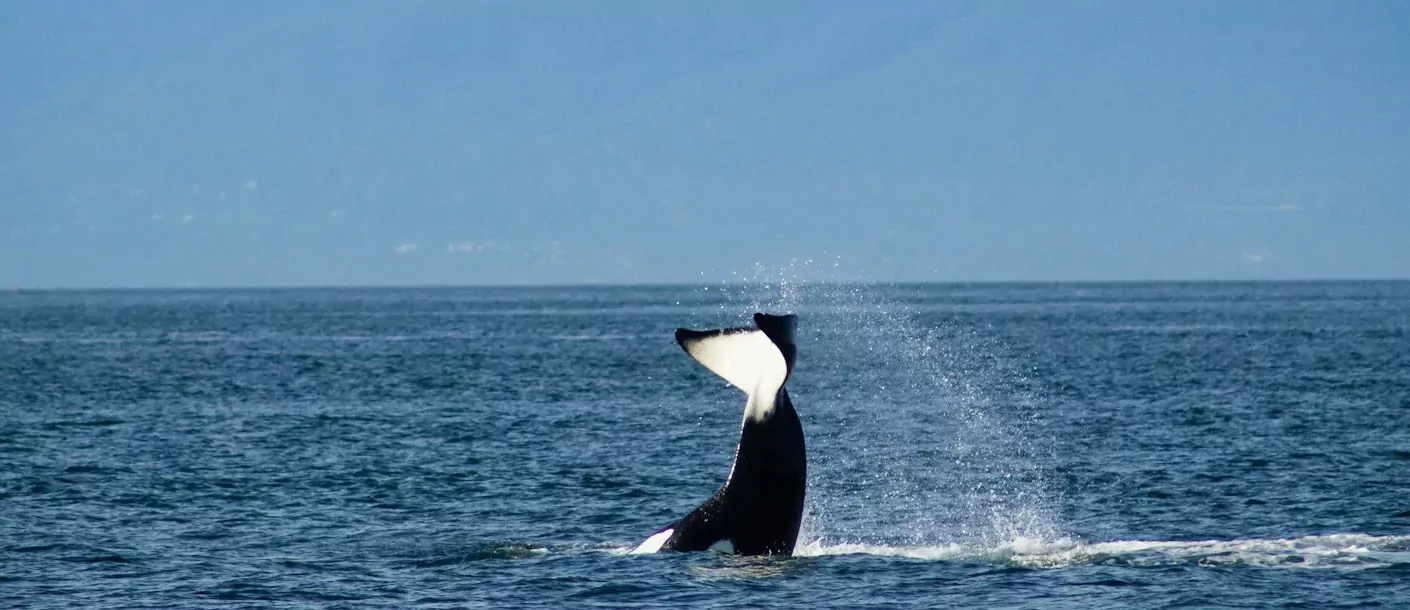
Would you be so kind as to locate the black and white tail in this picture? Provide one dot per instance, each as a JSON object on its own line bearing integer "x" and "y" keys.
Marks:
{"x": 759, "y": 508}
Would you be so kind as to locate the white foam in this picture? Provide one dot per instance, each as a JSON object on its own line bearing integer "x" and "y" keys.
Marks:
{"x": 1344, "y": 551}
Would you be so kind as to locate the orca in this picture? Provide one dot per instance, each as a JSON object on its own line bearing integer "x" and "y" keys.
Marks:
{"x": 760, "y": 506}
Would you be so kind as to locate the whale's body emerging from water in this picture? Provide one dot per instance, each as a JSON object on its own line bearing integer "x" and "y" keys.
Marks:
{"x": 759, "y": 508}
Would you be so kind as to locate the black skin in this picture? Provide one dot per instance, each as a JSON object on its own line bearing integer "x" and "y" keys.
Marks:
{"x": 760, "y": 508}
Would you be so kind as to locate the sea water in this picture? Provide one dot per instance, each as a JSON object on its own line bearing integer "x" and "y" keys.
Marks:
{"x": 986, "y": 445}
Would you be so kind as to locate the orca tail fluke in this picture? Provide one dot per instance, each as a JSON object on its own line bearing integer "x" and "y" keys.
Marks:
{"x": 757, "y": 360}
{"x": 780, "y": 330}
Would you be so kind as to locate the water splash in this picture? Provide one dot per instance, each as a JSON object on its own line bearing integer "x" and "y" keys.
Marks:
{"x": 940, "y": 444}
{"x": 1334, "y": 551}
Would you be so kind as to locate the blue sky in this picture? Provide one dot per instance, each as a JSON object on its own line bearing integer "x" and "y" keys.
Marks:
{"x": 156, "y": 143}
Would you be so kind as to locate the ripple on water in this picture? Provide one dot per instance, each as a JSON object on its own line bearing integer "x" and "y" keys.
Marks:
{"x": 488, "y": 551}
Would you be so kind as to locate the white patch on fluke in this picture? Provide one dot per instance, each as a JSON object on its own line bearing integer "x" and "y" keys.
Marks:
{"x": 748, "y": 360}
{"x": 653, "y": 543}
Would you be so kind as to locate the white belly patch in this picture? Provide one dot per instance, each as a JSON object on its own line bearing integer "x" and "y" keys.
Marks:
{"x": 653, "y": 543}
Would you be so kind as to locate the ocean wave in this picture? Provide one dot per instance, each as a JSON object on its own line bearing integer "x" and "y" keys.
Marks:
{"x": 1338, "y": 551}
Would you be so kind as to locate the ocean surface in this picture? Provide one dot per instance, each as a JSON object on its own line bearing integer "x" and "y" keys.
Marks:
{"x": 1152, "y": 445}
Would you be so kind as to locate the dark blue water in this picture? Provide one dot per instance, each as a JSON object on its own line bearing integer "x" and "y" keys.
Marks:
{"x": 1147, "y": 445}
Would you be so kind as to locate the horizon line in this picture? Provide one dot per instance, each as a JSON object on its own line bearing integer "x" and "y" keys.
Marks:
{"x": 19, "y": 289}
